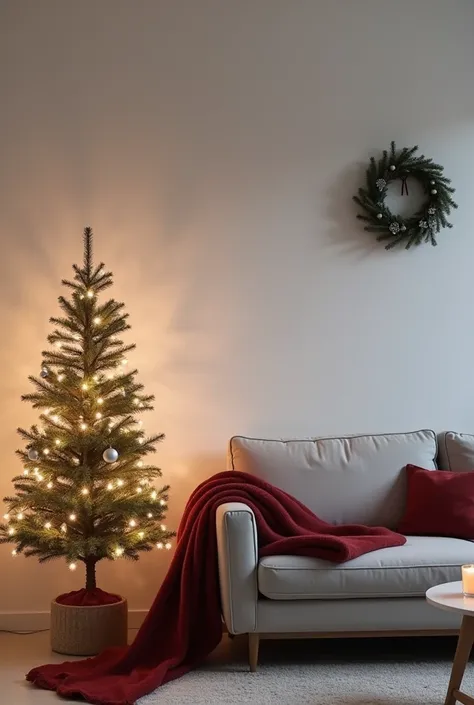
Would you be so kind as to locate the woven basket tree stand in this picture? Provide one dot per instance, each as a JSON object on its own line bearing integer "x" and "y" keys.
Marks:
{"x": 86, "y": 631}
{"x": 79, "y": 630}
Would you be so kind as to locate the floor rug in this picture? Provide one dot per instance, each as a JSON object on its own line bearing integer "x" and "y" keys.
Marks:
{"x": 351, "y": 674}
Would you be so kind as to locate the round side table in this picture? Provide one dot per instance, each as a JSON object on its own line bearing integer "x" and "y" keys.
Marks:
{"x": 449, "y": 596}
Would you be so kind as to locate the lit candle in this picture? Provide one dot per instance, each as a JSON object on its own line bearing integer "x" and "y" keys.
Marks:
{"x": 468, "y": 580}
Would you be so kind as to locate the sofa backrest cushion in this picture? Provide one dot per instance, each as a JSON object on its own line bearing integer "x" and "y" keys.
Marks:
{"x": 456, "y": 452}
{"x": 356, "y": 479}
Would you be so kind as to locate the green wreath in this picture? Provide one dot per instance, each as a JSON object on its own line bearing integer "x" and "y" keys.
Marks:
{"x": 427, "y": 221}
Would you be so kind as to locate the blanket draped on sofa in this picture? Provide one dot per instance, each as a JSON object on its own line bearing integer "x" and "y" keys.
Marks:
{"x": 184, "y": 623}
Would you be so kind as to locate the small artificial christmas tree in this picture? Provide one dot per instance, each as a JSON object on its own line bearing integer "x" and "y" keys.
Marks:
{"x": 86, "y": 493}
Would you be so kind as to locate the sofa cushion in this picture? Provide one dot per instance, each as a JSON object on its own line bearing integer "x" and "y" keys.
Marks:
{"x": 457, "y": 452}
{"x": 356, "y": 479}
{"x": 439, "y": 504}
{"x": 401, "y": 571}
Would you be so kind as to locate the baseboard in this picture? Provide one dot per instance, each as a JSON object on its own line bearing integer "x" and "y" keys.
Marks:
{"x": 33, "y": 621}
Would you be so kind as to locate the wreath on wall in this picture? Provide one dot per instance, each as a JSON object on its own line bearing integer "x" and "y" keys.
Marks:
{"x": 426, "y": 223}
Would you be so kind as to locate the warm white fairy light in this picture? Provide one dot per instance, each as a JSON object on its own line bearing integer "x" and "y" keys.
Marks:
{"x": 72, "y": 517}
{"x": 136, "y": 401}
{"x": 20, "y": 516}
{"x": 139, "y": 490}
{"x": 96, "y": 378}
{"x": 72, "y": 566}
{"x": 162, "y": 502}
{"x": 55, "y": 418}
{"x": 90, "y": 294}
{"x": 76, "y": 336}
{"x": 64, "y": 528}
{"x": 98, "y": 415}
{"x": 60, "y": 377}
{"x": 163, "y": 527}
{"x": 11, "y": 531}
{"x": 81, "y": 296}
{"x": 140, "y": 440}
{"x": 84, "y": 491}
{"x": 49, "y": 485}
{"x": 159, "y": 545}
{"x": 167, "y": 546}
{"x": 141, "y": 534}
{"x": 39, "y": 477}
{"x": 124, "y": 361}
{"x": 100, "y": 400}
{"x": 58, "y": 344}
{"x": 84, "y": 387}
{"x": 57, "y": 442}
{"x": 47, "y": 525}
{"x": 6, "y": 517}
{"x": 150, "y": 515}
{"x": 140, "y": 464}
{"x": 26, "y": 471}
{"x": 119, "y": 551}
{"x": 46, "y": 451}
{"x": 83, "y": 426}
{"x": 14, "y": 553}
{"x": 153, "y": 494}
{"x": 110, "y": 486}
{"x": 36, "y": 471}
{"x": 97, "y": 320}
{"x": 120, "y": 483}
{"x": 132, "y": 522}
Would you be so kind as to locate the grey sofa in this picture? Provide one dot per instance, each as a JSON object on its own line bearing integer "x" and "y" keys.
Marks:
{"x": 343, "y": 480}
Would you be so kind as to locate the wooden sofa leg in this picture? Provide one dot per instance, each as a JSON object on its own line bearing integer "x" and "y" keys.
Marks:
{"x": 254, "y": 643}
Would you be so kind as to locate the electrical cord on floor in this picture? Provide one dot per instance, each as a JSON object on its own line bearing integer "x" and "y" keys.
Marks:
{"x": 25, "y": 633}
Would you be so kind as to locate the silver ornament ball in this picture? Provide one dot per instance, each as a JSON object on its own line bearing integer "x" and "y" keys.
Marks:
{"x": 392, "y": 167}
{"x": 44, "y": 372}
{"x": 33, "y": 454}
{"x": 110, "y": 455}
{"x": 434, "y": 191}
{"x": 432, "y": 183}
{"x": 379, "y": 216}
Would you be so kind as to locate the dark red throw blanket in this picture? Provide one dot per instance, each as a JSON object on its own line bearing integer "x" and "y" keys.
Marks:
{"x": 184, "y": 623}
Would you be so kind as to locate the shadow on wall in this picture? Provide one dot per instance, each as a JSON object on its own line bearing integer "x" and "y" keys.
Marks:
{"x": 345, "y": 230}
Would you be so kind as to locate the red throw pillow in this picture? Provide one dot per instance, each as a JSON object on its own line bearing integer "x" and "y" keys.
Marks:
{"x": 439, "y": 503}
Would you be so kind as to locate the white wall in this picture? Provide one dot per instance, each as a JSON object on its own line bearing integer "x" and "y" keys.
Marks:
{"x": 214, "y": 145}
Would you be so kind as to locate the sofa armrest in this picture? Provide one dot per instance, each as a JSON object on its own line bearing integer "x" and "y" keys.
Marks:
{"x": 237, "y": 550}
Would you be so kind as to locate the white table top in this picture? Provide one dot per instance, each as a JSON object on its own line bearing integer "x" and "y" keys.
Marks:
{"x": 448, "y": 596}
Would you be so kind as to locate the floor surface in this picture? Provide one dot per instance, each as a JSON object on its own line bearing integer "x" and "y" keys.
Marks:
{"x": 19, "y": 653}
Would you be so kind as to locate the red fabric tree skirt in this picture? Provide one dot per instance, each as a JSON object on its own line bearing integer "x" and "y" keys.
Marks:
{"x": 184, "y": 623}
{"x": 88, "y": 598}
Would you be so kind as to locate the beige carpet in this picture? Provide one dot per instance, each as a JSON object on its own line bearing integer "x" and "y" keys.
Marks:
{"x": 408, "y": 672}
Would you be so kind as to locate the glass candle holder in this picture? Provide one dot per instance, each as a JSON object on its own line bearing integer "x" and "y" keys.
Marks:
{"x": 468, "y": 580}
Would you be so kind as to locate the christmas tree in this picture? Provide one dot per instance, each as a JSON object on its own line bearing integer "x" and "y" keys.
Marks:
{"x": 86, "y": 492}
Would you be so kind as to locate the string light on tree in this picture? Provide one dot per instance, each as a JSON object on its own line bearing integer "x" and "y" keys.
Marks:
{"x": 77, "y": 502}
